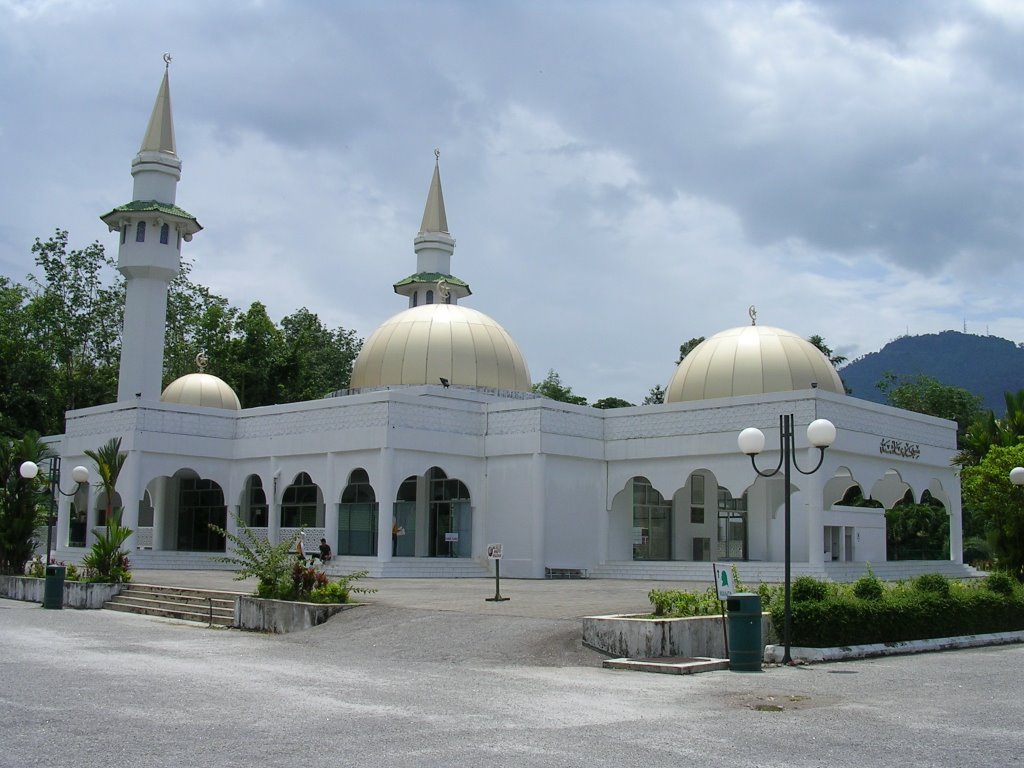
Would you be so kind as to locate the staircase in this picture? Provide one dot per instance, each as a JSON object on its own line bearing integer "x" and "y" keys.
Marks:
{"x": 208, "y": 606}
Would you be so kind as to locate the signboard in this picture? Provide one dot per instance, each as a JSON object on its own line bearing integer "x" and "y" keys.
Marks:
{"x": 494, "y": 551}
{"x": 723, "y": 581}
{"x": 452, "y": 537}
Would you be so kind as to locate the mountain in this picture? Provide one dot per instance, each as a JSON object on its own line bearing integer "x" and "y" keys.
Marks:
{"x": 985, "y": 365}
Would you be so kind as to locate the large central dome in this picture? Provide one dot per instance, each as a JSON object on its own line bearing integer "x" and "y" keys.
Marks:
{"x": 424, "y": 344}
{"x": 751, "y": 360}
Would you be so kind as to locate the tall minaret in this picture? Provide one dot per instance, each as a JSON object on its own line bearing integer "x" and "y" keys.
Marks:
{"x": 433, "y": 282}
{"x": 151, "y": 229}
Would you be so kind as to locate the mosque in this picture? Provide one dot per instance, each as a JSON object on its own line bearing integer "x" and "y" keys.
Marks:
{"x": 440, "y": 448}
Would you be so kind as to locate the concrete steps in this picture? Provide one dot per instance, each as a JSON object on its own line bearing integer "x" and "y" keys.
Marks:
{"x": 207, "y": 606}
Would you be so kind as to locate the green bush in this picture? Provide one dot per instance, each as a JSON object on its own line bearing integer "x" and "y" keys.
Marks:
{"x": 106, "y": 562}
{"x": 902, "y": 613}
{"x": 808, "y": 588}
{"x": 1000, "y": 583}
{"x": 932, "y": 583}
{"x": 868, "y": 587}
{"x": 676, "y": 604}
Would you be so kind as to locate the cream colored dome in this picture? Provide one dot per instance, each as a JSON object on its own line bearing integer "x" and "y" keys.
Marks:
{"x": 427, "y": 343}
{"x": 201, "y": 389}
{"x": 751, "y": 360}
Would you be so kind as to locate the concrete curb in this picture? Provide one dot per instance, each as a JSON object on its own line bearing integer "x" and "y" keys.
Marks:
{"x": 773, "y": 653}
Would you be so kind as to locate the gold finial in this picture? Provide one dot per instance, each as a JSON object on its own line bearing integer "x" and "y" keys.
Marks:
{"x": 752, "y": 311}
{"x": 201, "y": 362}
{"x": 167, "y": 61}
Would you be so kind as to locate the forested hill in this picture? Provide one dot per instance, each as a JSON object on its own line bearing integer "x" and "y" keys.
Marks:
{"x": 985, "y": 365}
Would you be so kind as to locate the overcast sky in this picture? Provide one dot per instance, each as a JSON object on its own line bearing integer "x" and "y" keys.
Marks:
{"x": 619, "y": 176}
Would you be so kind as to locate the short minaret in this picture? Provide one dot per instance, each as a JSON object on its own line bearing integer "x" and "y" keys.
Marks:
{"x": 151, "y": 228}
{"x": 433, "y": 282}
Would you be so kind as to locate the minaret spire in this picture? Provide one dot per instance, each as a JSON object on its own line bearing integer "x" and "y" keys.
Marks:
{"x": 151, "y": 229}
{"x": 434, "y": 246}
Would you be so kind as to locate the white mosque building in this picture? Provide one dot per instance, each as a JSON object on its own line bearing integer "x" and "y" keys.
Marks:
{"x": 440, "y": 448}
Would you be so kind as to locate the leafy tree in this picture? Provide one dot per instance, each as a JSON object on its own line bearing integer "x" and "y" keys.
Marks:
{"x": 252, "y": 555}
{"x": 923, "y": 394}
{"x": 553, "y": 388}
{"x": 26, "y": 395}
{"x": 24, "y": 504}
{"x": 316, "y": 360}
{"x": 986, "y": 487}
{"x": 612, "y": 402}
{"x": 76, "y": 311}
{"x": 198, "y": 321}
{"x": 257, "y": 350}
{"x": 917, "y": 531}
{"x": 656, "y": 396}
{"x": 986, "y": 430}
{"x": 688, "y": 347}
{"x": 826, "y": 350}
{"x": 109, "y": 460}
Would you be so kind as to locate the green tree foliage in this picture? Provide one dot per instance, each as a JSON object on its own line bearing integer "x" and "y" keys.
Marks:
{"x": 75, "y": 314}
{"x": 316, "y": 360}
{"x": 987, "y": 489}
{"x": 24, "y": 504}
{"x": 924, "y": 394}
{"x": 109, "y": 460}
{"x": 553, "y": 388}
{"x": 986, "y": 430}
{"x": 60, "y": 341}
{"x": 917, "y": 531}
{"x": 656, "y": 396}
{"x": 826, "y": 350}
{"x": 26, "y": 399}
{"x": 198, "y": 322}
{"x": 612, "y": 402}
{"x": 688, "y": 347}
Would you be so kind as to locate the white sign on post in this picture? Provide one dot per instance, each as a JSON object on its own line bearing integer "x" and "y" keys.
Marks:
{"x": 452, "y": 537}
{"x": 494, "y": 551}
{"x": 723, "y": 581}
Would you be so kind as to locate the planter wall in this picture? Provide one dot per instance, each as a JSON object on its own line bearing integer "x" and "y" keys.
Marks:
{"x": 634, "y": 637}
{"x": 77, "y": 594}
{"x": 280, "y": 616}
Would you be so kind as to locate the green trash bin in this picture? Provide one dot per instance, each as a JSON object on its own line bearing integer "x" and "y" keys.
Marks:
{"x": 745, "y": 646}
{"x": 53, "y": 590}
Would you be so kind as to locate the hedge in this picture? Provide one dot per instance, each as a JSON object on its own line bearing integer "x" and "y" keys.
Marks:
{"x": 901, "y": 613}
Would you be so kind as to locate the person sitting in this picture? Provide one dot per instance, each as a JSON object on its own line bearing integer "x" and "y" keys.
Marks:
{"x": 325, "y": 551}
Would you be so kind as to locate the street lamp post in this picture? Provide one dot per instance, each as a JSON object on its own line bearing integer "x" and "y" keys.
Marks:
{"x": 30, "y": 469}
{"x": 1017, "y": 475}
{"x": 821, "y": 433}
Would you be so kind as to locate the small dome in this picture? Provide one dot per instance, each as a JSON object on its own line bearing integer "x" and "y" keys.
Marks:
{"x": 203, "y": 390}
{"x": 751, "y": 360}
{"x": 427, "y": 343}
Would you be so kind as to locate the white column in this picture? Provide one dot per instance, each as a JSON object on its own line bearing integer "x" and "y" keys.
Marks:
{"x": 129, "y": 487}
{"x": 813, "y": 491}
{"x": 159, "y": 512}
{"x": 385, "y": 493}
{"x": 956, "y": 529}
{"x": 142, "y": 346}
{"x": 538, "y": 517}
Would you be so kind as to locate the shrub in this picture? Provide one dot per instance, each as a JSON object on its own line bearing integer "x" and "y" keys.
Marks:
{"x": 932, "y": 583}
{"x": 1000, "y": 583}
{"x": 808, "y": 588}
{"x": 868, "y": 587}
{"x": 106, "y": 562}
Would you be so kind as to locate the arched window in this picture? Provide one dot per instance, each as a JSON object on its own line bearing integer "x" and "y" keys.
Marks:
{"x": 430, "y": 297}
{"x": 357, "y": 516}
{"x": 254, "y": 503}
{"x": 415, "y": 298}
{"x": 448, "y": 298}
{"x": 165, "y": 234}
{"x": 140, "y": 232}
{"x": 652, "y": 522}
{"x": 124, "y": 233}
{"x": 300, "y": 504}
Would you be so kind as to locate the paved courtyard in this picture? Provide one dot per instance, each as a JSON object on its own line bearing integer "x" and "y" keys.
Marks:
{"x": 429, "y": 674}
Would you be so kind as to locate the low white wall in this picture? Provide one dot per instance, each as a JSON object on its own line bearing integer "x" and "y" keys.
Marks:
{"x": 642, "y": 638}
{"x": 77, "y": 594}
{"x": 281, "y": 616}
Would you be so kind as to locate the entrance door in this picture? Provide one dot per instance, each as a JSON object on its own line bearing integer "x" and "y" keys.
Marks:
{"x": 732, "y": 535}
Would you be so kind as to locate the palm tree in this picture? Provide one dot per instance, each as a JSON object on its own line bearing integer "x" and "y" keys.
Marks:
{"x": 109, "y": 461}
